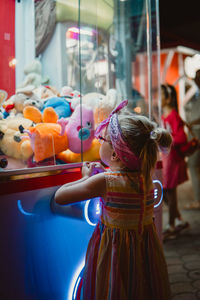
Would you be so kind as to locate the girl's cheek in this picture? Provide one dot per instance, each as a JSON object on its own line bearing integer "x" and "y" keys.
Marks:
{"x": 102, "y": 155}
{"x": 100, "y": 152}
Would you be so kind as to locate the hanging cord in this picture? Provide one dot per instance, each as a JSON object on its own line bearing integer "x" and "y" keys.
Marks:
{"x": 80, "y": 74}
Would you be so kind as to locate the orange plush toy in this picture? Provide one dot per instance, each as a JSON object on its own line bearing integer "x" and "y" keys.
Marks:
{"x": 34, "y": 114}
{"x": 48, "y": 138}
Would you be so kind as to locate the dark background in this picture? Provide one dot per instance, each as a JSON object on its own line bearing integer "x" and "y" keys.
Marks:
{"x": 180, "y": 23}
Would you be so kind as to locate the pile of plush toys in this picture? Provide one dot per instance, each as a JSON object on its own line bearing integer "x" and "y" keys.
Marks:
{"x": 40, "y": 125}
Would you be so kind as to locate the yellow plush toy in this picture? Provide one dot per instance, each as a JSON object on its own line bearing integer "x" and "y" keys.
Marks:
{"x": 11, "y": 143}
{"x": 90, "y": 155}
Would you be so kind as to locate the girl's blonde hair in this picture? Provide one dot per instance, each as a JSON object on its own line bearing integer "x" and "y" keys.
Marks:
{"x": 145, "y": 139}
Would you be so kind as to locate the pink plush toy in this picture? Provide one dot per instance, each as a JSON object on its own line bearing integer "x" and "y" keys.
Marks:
{"x": 79, "y": 131}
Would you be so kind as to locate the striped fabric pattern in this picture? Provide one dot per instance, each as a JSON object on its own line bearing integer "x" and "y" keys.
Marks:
{"x": 123, "y": 263}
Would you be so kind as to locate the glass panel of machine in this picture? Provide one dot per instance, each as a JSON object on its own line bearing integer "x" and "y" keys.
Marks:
{"x": 67, "y": 65}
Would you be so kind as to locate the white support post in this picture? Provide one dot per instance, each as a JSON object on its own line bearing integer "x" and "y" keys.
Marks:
{"x": 24, "y": 36}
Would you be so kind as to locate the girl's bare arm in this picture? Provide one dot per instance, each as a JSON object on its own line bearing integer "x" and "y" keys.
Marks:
{"x": 83, "y": 189}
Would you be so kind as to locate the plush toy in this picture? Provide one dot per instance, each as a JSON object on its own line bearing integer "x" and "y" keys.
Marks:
{"x": 33, "y": 74}
{"x": 34, "y": 114}
{"x": 102, "y": 105}
{"x": 72, "y": 96}
{"x": 79, "y": 129}
{"x": 90, "y": 155}
{"x": 3, "y": 97}
{"x": 60, "y": 105}
{"x": 93, "y": 99}
{"x": 66, "y": 91}
{"x": 45, "y": 92}
{"x": 105, "y": 106}
{"x": 16, "y": 122}
{"x": 3, "y": 162}
{"x": 73, "y": 133}
{"x": 47, "y": 139}
{"x": 15, "y": 104}
{"x": 11, "y": 143}
{"x": 80, "y": 132}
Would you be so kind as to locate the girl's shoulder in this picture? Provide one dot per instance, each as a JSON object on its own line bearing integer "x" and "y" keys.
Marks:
{"x": 125, "y": 180}
{"x": 134, "y": 174}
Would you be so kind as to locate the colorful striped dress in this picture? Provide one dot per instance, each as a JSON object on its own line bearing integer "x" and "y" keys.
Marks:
{"x": 124, "y": 259}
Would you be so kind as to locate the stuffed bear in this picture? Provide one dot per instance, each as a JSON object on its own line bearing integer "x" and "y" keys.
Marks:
{"x": 11, "y": 143}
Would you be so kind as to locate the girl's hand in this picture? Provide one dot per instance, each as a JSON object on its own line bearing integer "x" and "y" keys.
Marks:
{"x": 86, "y": 169}
{"x": 97, "y": 168}
{"x": 91, "y": 168}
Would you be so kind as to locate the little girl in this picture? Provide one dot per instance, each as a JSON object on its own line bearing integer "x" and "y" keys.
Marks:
{"x": 124, "y": 259}
{"x": 174, "y": 165}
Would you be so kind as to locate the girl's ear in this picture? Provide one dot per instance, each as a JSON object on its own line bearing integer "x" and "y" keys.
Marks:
{"x": 114, "y": 156}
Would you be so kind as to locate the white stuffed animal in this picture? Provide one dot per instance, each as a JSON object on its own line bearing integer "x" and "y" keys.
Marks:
{"x": 102, "y": 105}
{"x": 33, "y": 74}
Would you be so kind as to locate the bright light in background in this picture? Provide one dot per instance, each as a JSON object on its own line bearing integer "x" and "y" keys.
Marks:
{"x": 87, "y": 37}
{"x": 137, "y": 109}
{"x": 12, "y": 63}
{"x": 81, "y": 31}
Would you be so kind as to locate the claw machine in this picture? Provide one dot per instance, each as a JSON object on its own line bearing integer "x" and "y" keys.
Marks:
{"x": 66, "y": 65}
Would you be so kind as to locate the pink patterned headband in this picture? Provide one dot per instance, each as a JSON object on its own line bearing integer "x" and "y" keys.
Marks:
{"x": 118, "y": 141}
